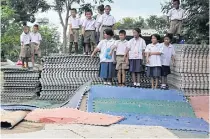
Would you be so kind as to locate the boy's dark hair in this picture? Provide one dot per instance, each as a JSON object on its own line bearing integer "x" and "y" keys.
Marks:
{"x": 167, "y": 36}
{"x": 73, "y": 9}
{"x": 108, "y": 6}
{"x": 25, "y": 27}
{"x": 177, "y": 1}
{"x": 109, "y": 32}
{"x": 139, "y": 31}
{"x": 36, "y": 25}
{"x": 122, "y": 32}
{"x": 101, "y": 7}
{"x": 88, "y": 10}
{"x": 157, "y": 36}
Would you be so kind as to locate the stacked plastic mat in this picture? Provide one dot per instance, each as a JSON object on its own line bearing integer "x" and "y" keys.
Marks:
{"x": 19, "y": 83}
{"x": 146, "y": 107}
{"x": 191, "y": 71}
{"x": 62, "y": 75}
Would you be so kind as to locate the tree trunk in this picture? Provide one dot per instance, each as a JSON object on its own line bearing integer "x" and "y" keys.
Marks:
{"x": 64, "y": 40}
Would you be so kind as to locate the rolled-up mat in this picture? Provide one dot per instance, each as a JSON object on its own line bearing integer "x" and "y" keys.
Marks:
{"x": 11, "y": 119}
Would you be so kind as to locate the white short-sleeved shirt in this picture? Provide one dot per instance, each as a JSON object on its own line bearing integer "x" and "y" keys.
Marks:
{"x": 25, "y": 38}
{"x": 107, "y": 20}
{"x": 154, "y": 60}
{"x": 176, "y": 14}
{"x": 36, "y": 37}
{"x": 121, "y": 46}
{"x": 89, "y": 24}
{"x": 136, "y": 48}
{"x": 103, "y": 46}
{"x": 75, "y": 22}
{"x": 167, "y": 53}
{"x": 98, "y": 26}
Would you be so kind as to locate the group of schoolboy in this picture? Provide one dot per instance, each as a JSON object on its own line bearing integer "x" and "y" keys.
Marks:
{"x": 98, "y": 37}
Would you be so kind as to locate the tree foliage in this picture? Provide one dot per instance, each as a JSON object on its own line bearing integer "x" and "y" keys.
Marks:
{"x": 157, "y": 23}
{"x": 130, "y": 23}
{"x": 196, "y": 27}
{"x": 25, "y": 9}
{"x": 153, "y": 22}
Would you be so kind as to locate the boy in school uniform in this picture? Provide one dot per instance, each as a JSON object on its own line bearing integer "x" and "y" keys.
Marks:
{"x": 74, "y": 26}
{"x": 98, "y": 27}
{"x": 167, "y": 57}
{"x": 88, "y": 31}
{"x": 175, "y": 18}
{"x": 25, "y": 53}
{"x": 35, "y": 43}
{"x": 106, "y": 21}
{"x": 122, "y": 61}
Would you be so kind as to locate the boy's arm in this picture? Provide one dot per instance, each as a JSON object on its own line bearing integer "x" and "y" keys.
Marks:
{"x": 21, "y": 41}
{"x": 95, "y": 51}
{"x": 83, "y": 30}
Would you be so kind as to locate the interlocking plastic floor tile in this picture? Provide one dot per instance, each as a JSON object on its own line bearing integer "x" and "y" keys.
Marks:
{"x": 101, "y": 91}
{"x": 69, "y": 115}
{"x": 200, "y": 106}
{"x": 172, "y": 108}
{"x": 170, "y": 122}
{"x": 18, "y": 107}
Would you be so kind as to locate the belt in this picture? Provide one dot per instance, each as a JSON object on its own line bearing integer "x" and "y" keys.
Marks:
{"x": 176, "y": 20}
{"x": 26, "y": 44}
{"x": 34, "y": 43}
{"x": 75, "y": 28}
{"x": 106, "y": 26}
{"x": 89, "y": 30}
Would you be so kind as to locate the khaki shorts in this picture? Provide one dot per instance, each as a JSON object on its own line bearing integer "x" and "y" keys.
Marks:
{"x": 75, "y": 36}
{"x": 175, "y": 27}
{"x": 25, "y": 52}
{"x": 35, "y": 50}
{"x": 121, "y": 64}
{"x": 90, "y": 36}
{"x": 102, "y": 32}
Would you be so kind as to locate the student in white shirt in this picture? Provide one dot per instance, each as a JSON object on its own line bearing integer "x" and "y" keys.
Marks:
{"x": 107, "y": 69}
{"x": 153, "y": 57}
{"x": 122, "y": 62}
{"x": 166, "y": 57}
{"x": 175, "y": 18}
{"x": 98, "y": 27}
{"x": 135, "y": 52}
{"x": 25, "y": 40}
{"x": 106, "y": 21}
{"x": 74, "y": 26}
{"x": 35, "y": 43}
{"x": 88, "y": 31}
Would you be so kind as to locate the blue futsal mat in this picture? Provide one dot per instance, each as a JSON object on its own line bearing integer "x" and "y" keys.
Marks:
{"x": 100, "y": 91}
{"x": 170, "y": 122}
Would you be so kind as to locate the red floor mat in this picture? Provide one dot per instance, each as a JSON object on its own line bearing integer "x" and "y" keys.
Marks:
{"x": 200, "y": 105}
{"x": 69, "y": 115}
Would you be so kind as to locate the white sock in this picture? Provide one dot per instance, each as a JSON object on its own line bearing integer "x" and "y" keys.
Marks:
{"x": 109, "y": 83}
{"x": 134, "y": 84}
{"x": 138, "y": 84}
{"x": 105, "y": 83}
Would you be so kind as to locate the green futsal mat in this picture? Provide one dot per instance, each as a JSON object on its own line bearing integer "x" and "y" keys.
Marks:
{"x": 153, "y": 107}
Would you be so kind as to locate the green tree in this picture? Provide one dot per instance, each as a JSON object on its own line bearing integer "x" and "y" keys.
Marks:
{"x": 62, "y": 6}
{"x": 157, "y": 23}
{"x": 196, "y": 27}
{"x": 25, "y": 9}
{"x": 130, "y": 23}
